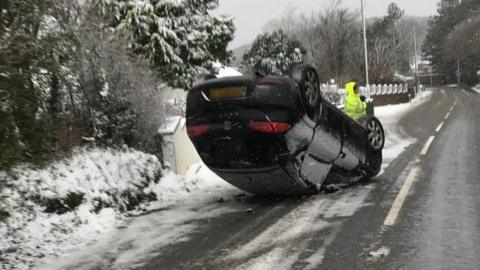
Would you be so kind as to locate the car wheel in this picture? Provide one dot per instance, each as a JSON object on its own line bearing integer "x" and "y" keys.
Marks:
{"x": 308, "y": 83}
{"x": 376, "y": 134}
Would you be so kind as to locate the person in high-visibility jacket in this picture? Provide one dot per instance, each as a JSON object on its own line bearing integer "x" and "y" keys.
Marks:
{"x": 355, "y": 105}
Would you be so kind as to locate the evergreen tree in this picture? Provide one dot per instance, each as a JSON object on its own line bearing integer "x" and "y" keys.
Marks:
{"x": 462, "y": 45}
{"x": 450, "y": 14}
{"x": 181, "y": 38}
{"x": 75, "y": 69}
{"x": 274, "y": 53}
{"x": 32, "y": 53}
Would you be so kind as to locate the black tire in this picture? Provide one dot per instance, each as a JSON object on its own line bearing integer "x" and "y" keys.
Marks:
{"x": 375, "y": 164}
{"x": 376, "y": 134}
{"x": 376, "y": 142}
{"x": 308, "y": 83}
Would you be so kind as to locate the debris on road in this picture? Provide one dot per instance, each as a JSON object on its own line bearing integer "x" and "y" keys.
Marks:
{"x": 378, "y": 254}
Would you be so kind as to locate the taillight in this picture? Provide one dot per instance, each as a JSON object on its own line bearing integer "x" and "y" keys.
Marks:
{"x": 269, "y": 127}
{"x": 196, "y": 131}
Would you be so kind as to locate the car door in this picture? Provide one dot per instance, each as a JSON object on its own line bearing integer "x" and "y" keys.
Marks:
{"x": 354, "y": 143}
{"x": 324, "y": 148}
{"x": 338, "y": 139}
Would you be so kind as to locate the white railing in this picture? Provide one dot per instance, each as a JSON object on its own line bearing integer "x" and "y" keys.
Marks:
{"x": 333, "y": 93}
{"x": 336, "y": 95}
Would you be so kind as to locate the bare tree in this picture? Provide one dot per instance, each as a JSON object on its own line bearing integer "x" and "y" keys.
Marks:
{"x": 337, "y": 30}
{"x": 331, "y": 38}
{"x": 114, "y": 82}
{"x": 403, "y": 30}
{"x": 288, "y": 22}
{"x": 111, "y": 93}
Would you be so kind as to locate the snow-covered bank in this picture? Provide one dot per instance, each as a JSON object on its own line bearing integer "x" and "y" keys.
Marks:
{"x": 142, "y": 237}
{"x": 396, "y": 140}
{"x": 74, "y": 201}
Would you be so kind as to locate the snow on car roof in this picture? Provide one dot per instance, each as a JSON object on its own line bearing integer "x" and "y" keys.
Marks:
{"x": 225, "y": 71}
{"x": 228, "y": 72}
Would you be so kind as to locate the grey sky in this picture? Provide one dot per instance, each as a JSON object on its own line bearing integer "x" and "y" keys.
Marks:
{"x": 251, "y": 15}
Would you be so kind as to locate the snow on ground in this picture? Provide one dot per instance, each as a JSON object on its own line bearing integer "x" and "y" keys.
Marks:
{"x": 396, "y": 139}
{"x": 476, "y": 88}
{"x": 69, "y": 202}
{"x": 46, "y": 220}
{"x": 134, "y": 242}
{"x": 295, "y": 237}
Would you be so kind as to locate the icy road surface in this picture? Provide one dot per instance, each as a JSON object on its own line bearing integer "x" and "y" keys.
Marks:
{"x": 435, "y": 225}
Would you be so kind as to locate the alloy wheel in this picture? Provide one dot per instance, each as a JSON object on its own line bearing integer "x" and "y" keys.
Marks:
{"x": 376, "y": 136}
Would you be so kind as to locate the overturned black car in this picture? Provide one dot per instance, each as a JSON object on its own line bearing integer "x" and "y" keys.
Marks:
{"x": 276, "y": 135}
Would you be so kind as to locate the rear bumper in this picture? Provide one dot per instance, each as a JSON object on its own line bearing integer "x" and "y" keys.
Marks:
{"x": 244, "y": 150}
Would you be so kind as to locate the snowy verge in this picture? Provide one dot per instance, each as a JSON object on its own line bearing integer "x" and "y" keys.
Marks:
{"x": 476, "y": 88}
{"x": 71, "y": 202}
{"x": 142, "y": 237}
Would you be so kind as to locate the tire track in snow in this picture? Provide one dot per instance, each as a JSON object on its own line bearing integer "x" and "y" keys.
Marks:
{"x": 301, "y": 236}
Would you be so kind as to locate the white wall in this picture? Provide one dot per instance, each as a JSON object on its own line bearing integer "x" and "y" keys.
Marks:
{"x": 168, "y": 150}
{"x": 185, "y": 153}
